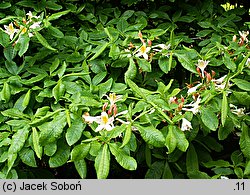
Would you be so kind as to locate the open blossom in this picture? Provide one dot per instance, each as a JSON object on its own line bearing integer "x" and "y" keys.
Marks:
{"x": 143, "y": 51}
{"x": 113, "y": 98}
{"x": 202, "y": 64}
{"x": 103, "y": 121}
{"x": 160, "y": 47}
{"x": 10, "y": 30}
{"x": 35, "y": 25}
{"x": 243, "y": 36}
{"x": 193, "y": 89}
{"x": 238, "y": 111}
{"x": 193, "y": 107}
{"x": 30, "y": 16}
{"x": 186, "y": 125}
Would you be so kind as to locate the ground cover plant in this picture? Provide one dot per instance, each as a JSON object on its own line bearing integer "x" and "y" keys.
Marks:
{"x": 124, "y": 89}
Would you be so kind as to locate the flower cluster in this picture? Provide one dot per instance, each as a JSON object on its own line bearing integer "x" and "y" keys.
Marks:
{"x": 27, "y": 25}
{"x": 107, "y": 118}
{"x": 145, "y": 48}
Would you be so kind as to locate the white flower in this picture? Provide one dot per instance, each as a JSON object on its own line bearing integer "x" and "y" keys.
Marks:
{"x": 202, "y": 64}
{"x": 224, "y": 177}
{"x": 219, "y": 83}
{"x": 238, "y": 111}
{"x": 113, "y": 98}
{"x": 10, "y": 30}
{"x": 248, "y": 62}
{"x": 143, "y": 51}
{"x": 35, "y": 25}
{"x": 30, "y": 15}
{"x": 193, "y": 89}
{"x": 243, "y": 35}
{"x": 161, "y": 46}
{"x": 103, "y": 121}
{"x": 186, "y": 125}
{"x": 193, "y": 107}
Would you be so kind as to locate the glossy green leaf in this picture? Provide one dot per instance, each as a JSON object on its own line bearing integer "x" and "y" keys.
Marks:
{"x": 186, "y": 62}
{"x": 58, "y": 90}
{"x": 58, "y": 15}
{"x": 99, "y": 51}
{"x": 4, "y": 38}
{"x": 171, "y": 141}
{"x": 74, "y": 132}
{"x": 155, "y": 171}
{"x": 35, "y": 140}
{"x": 182, "y": 142}
{"x": 26, "y": 99}
{"x": 167, "y": 173}
{"x": 102, "y": 162}
{"x": 224, "y": 109}
{"x": 242, "y": 84}
{"x": 151, "y": 135}
{"x": 209, "y": 119}
{"x": 136, "y": 89}
{"x": 27, "y": 156}
{"x": 50, "y": 148}
{"x": 61, "y": 156}
{"x": 127, "y": 162}
{"x": 6, "y": 92}
{"x": 81, "y": 168}
{"x": 23, "y": 44}
{"x": 245, "y": 140}
{"x": 247, "y": 168}
{"x": 80, "y": 151}
{"x": 144, "y": 65}
{"x": 43, "y": 41}
{"x": 131, "y": 71}
{"x": 51, "y": 131}
{"x": 127, "y": 135}
{"x": 14, "y": 113}
{"x": 54, "y": 65}
{"x": 192, "y": 163}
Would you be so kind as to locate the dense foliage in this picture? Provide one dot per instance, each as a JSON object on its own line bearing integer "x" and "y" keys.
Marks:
{"x": 124, "y": 89}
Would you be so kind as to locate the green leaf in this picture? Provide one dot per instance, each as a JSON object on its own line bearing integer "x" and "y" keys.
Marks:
{"x": 182, "y": 142}
{"x": 26, "y": 99}
{"x": 61, "y": 156}
{"x": 74, "y": 132}
{"x": 4, "y": 38}
{"x": 6, "y": 92}
{"x": 164, "y": 64}
{"x": 14, "y": 113}
{"x": 5, "y": 5}
{"x": 57, "y": 15}
{"x": 58, "y": 90}
{"x": 99, "y": 51}
{"x": 27, "y": 156}
{"x": 122, "y": 25}
{"x": 81, "y": 168}
{"x": 23, "y": 44}
{"x": 167, "y": 173}
{"x": 43, "y": 41}
{"x": 50, "y": 149}
{"x": 127, "y": 162}
{"x": 131, "y": 71}
{"x": 209, "y": 119}
{"x": 55, "y": 32}
{"x": 218, "y": 163}
{"x": 127, "y": 135}
{"x": 35, "y": 139}
{"x": 51, "y": 131}
{"x": 136, "y": 89}
{"x": 80, "y": 151}
{"x": 34, "y": 79}
{"x": 245, "y": 140}
{"x": 171, "y": 141}
{"x": 186, "y": 62}
{"x": 17, "y": 143}
{"x": 54, "y": 65}
{"x": 242, "y": 84}
{"x": 102, "y": 162}
{"x": 155, "y": 171}
{"x": 224, "y": 109}
{"x": 144, "y": 65}
{"x": 192, "y": 163}
{"x": 151, "y": 135}
{"x": 228, "y": 62}
{"x": 247, "y": 168}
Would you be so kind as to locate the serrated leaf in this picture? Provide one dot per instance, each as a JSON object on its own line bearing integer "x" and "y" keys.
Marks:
{"x": 61, "y": 156}
{"x": 80, "y": 151}
{"x": 43, "y": 41}
{"x": 151, "y": 135}
{"x": 127, "y": 162}
{"x": 81, "y": 168}
{"x": 102, "y": 162}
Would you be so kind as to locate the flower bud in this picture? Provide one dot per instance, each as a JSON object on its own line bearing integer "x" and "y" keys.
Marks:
{"x": 104, "y": 107}
{"x": 234, "y": 38}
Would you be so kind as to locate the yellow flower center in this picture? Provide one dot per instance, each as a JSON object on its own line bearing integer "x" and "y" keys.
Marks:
{"x": 112, "y": 97}
{"x": 143, "y": 48}
{"x": 104, "y": 118}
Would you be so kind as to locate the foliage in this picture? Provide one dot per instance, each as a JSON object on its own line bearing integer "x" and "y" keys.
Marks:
{"x": 114, "y": 87}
